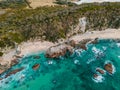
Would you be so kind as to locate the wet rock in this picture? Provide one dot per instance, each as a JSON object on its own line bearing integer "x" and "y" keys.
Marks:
{"x": 36, "y": 57}
{"x": 36, "y": 66}
{"x": 109, "y": 68}
{"x": 100, "y": 70}
{"x": 59, "y": 50}
{"x": 82, "y": 44}
{"x": 95, "y": 41}
{"x": 14, "y": 62}
{"x": 14, "y": 72}
{"x": 72, "y": 43}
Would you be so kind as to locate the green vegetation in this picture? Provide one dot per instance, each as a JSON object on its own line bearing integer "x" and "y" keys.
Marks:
{"x": 55, "y": 22}
{"x": 14, "y": 4}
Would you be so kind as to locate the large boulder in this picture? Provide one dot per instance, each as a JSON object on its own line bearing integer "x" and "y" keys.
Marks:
{"x": 109, "y": 68}
{"x": 59, "y": 50}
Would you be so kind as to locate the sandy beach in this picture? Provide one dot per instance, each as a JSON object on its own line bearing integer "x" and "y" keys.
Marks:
{"x": 26, "y": 48}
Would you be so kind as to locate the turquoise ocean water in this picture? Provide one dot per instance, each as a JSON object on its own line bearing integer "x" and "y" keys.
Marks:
{"x": 72, "y": 72}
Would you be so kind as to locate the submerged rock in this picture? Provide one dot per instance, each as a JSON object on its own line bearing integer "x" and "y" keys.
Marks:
{"x": 13, "y": 72}
{"x": 36, "y": 57}
{"x": 109, "y": 68}
{"x": 100, "y": 70}
{"x": 36, "y": 66}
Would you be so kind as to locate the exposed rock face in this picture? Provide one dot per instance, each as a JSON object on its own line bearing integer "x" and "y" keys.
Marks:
{"x": 14, "y": 72}
{"x": 100, "y": 70}
{"x": 94, "y": 41}
{"x": 82, "y": 44}
{"x": 72, "y": 43}
{"x": 59, "y": 50}
{"x": 109, "y": 68}
{"x": 36, "y": 66}
{"x": 14, "y": 61}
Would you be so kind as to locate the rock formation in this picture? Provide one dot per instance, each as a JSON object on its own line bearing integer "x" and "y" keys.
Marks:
{"x": 59, "y": 50}
{"x": 13, "y": 72}
{"x": 109, "y": 68}
{"x": 100, "y": 71}
{"x": 36, "y": 66}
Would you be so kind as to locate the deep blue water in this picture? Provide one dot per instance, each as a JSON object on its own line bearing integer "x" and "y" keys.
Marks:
{"x": 73, "y": 72}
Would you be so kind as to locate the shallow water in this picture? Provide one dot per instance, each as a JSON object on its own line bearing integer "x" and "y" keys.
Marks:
{"x": 73, "y": 72}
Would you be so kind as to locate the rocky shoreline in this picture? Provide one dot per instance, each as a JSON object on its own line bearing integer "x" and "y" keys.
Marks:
{"x": 58, "y": 49}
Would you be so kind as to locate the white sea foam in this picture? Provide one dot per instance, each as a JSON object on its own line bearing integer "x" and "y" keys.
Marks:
{"x": 78, "y": 52}
{"x": 104, "y": 48}
{"x": 118, "y": 44}
{"x": 90, "y": 60}
{"x": 76, "y": 62}
{"x": 97, "y": 52}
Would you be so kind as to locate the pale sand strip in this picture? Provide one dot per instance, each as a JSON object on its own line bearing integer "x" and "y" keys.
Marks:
{"x": 106, "y": 34}
{"x": 36, "y": 46}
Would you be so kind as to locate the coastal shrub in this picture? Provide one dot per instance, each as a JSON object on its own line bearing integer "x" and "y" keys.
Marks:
{"x": 54, "y": 22}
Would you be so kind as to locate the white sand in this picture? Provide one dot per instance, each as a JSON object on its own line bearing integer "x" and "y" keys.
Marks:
{"x": 92, "y": 1}
{"x": 36, "y": 46}
{"x": 26, "y": 48}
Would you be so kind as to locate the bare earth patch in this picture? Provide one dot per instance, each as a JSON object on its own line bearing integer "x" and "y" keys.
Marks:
{"x": 38, "y": 3}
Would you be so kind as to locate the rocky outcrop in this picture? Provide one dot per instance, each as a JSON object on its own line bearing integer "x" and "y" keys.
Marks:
{"x": 36, "y": 66}
{"x": 109, "y": 68}
{"x": 95, "y": 41}
{"x": 14, "y": 62}
{"x": 82, "y": 44}
{"x": 59, "y": 50}
{"x": 13, "y": 72}
{"x": 100, "y": 71}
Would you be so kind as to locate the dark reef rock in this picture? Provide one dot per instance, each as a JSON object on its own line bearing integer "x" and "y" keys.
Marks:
{"x": 100, "y": 70}
{"x": 36, "y": 66}
{"x": 13, "y": 72}
{"x": 36, "y": 57}
{"x": 109, "y": 68}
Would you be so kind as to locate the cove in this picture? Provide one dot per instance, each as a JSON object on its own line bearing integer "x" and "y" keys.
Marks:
{"x": 70, "y": 72}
